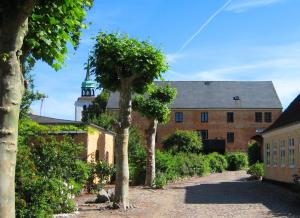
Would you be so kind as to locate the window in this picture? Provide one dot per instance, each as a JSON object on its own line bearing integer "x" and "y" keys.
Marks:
{"x": 282, "y": 152}
{"x": 203, "y": 134}
{"x": 268, "y": 154}
{"x": 230, "y": 117}
{"x": 291, "y": 146}
{"x": 274, "y": 154}
{"x": 258, "y": 117}
{"x": 107, "y": 157}
{"x": 268, "y": 117}
{"x": 230, "y": 137}
{"x": 178, "y": 117}
{"x": 97, "y": 155}
{"x": 204, "y": 117}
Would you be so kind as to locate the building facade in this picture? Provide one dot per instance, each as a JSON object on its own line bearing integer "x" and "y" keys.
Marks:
{"x": 98, "y": 142}
{"x": 282, "y": 145}
{"x": 227, "y": 114}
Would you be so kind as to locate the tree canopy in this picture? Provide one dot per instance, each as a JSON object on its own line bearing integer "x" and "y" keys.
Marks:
{"x": 156, "y": 105}
{"x": 51, "y": 26}
{"x": 116, "y": 57}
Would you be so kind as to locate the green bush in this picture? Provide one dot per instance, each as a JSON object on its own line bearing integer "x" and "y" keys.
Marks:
{"x": 237, "y": 160}
{"x": 256, "y": 170}
{"x": 254, "y": 153}
{"x": 217, "y": 162}
{"x": 102, "y": 171}
{"x": 183, "y": 141}
{"x": 47, "y": 172}
{"x": 181, "y": 165}
{"x": 160, "y": 181}
{"x": 137, "y": 157}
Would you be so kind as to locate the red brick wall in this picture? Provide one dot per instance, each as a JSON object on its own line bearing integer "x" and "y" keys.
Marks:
{"x": 244, "y": 125}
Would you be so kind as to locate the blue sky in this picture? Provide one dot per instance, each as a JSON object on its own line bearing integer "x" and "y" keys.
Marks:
{"x": 203, "y": 40}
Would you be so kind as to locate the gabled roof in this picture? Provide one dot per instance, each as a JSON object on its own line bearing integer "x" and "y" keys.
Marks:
{"x": 290, "y": 116}
{"x": 54, "y": 121}
{"x": 218, "y": 95}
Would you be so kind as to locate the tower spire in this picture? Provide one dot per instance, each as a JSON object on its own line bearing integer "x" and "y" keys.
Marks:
{"x": 87, "y": 76}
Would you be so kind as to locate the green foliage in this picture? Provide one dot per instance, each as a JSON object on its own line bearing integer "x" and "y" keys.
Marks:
{"x": 101, "y": 171}
{"x": 97, "y": 108}
{"x": 180, "y": 165}
{"x": 52, "y": 25}
{"x": 156, "y": 105}
{"x": 152, "y": 109}
{"x": 160, "y": 181}
{"x": 217, "y": 162}
{"x": 237, "y": 160}
{"x": 254, "y": 153}
{"x": 47, "y": 172}
{"x": 164, "y": 94}
{"x": 117, "y": 57}
{"x": 104, "y": 120}
{"x": 137, "y": 157}
{"x": 256, "y": 170}
{"x": 183, "y": 141}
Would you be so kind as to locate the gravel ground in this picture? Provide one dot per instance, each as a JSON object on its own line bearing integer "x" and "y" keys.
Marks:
{"x": 218, "y": 195}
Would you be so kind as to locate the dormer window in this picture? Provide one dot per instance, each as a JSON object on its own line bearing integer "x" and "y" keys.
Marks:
{"x": 236, "y": 98}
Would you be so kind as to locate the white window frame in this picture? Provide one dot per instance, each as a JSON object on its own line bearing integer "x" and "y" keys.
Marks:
{"x": 282, "y": 153}
{"x": 291, "y": 152}
{"x": 274, "y": 154}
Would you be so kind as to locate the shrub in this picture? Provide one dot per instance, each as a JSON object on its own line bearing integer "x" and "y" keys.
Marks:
{"x": 47, "y": 177}
{"x": 217, "y": 162}
{"x": 183, "y": 141}
{"x": 102, "y": 172}
{"x": 181, "y": 165}
{"x": 256, "y": 170}
{"x": 160, "y": 180}
{"x": 237, "y": 160}
{"x": 253, "y": 153}
{"x": 137, "y": 157}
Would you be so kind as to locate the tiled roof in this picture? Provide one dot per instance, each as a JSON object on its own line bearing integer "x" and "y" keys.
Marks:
{"x": 290, "y": 116}
{"x": 218, "y": 94}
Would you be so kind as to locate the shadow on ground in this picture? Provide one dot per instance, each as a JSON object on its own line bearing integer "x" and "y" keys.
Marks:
{"x": 280, "y": 201}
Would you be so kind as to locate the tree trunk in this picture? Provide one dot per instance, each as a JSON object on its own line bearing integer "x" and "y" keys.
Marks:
{"x": 150, "y": 168}
{"x": 122, "y": 176}
{"x": 13, "y": 28}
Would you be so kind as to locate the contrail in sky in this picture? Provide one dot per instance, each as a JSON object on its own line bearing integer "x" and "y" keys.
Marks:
{"x": 210, "y": 19}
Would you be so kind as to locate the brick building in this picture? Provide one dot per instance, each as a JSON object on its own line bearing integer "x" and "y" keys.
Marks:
{"x": 224, "y": 113}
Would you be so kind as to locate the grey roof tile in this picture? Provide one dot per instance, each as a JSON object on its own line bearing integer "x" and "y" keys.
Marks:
{"x": 289, "y": 117}
{"x": 218, "y": 94}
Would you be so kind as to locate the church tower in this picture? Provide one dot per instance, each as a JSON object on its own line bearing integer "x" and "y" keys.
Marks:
{"x": 88, "y": 87}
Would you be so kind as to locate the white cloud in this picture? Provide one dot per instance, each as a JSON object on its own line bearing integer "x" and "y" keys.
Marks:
{"x": 174, "y": 57}
{"x": 243, "y": 5}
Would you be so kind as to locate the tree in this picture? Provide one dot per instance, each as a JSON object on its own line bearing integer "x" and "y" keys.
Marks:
{"x": 125, "y": 65}
{"x": 51, "y": 25}
{"x": 97, "y": 107}
{"x": 155, "y": 108}
{"x": 183, "y": 141}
